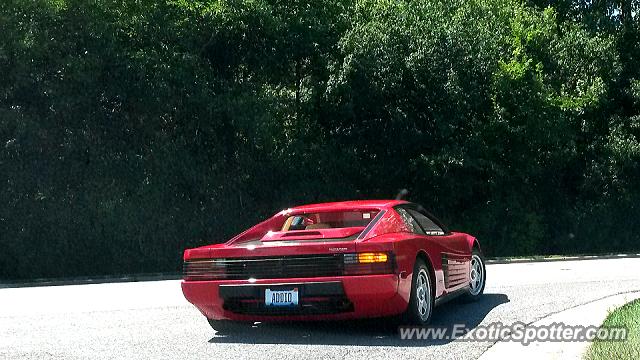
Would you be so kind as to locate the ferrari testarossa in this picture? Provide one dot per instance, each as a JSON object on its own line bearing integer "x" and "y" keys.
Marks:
{"x": 333, "y": 261}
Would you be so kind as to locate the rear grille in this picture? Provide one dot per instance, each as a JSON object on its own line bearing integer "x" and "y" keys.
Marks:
{"x": 265, "y": 267}
{"x": 314, "y": 298}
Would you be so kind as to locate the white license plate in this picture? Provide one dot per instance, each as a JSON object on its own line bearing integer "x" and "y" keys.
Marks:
{"x": 281, "y": 297}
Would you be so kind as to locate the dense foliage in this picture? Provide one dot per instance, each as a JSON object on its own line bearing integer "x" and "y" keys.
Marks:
{"x": 130, "y": 130}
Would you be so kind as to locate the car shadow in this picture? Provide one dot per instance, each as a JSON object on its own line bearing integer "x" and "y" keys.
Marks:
{"x": 368, "y": 332}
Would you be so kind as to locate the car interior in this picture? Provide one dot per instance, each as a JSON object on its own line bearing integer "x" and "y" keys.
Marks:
{"x": 329, "y": 220}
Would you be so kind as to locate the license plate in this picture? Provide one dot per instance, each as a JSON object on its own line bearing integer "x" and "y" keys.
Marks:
{"x": 281, "y": 297}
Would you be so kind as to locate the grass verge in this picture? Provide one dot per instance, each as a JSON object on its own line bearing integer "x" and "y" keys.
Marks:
{"x": 627, "y": 316}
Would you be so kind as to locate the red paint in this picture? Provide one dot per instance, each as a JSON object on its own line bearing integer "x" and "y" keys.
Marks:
{"x": 371, "y": 295}
{"x": 312, "y": 234}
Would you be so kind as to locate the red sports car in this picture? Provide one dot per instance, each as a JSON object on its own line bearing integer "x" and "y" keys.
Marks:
{"x": 342, "y": 260}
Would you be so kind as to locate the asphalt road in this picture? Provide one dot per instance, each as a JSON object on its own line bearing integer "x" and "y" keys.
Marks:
{"x": 151, "y": 320}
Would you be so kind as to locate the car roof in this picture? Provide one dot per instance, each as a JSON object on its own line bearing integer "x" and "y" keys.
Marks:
{"x": 343, "y": 205}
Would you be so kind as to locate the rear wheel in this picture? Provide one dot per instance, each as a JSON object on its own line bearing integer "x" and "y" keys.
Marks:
{"x": 228, "y": 326}
{"x": 421, "y": 301}
{"x": 477, "y": 276}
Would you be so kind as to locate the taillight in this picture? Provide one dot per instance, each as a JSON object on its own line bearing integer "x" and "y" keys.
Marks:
{"x": 205, "y": 269}
{"x": 365, "y": 263}
{"x": 368, "y": 263}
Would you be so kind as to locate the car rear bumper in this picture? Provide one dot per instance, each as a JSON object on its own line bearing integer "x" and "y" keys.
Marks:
{"x": 327, "y": 298}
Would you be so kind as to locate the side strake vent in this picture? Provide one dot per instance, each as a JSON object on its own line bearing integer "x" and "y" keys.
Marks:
{"x": 455, "y": 269}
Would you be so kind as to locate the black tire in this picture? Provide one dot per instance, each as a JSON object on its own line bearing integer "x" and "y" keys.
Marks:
{"x": 228, "y": 326}
{"x": 475, "y": 291}
{"x": 421, "y": 302}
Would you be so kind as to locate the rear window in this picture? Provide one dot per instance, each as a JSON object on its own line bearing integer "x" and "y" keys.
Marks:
{"x": 329, "y": 220}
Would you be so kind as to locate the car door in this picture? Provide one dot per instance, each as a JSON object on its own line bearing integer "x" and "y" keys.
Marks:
{"x": 455, "y": 255}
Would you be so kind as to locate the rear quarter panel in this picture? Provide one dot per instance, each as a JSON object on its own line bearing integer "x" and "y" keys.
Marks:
{"x": 409, "y": 246}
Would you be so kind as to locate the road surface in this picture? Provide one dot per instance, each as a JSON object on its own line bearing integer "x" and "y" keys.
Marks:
{"x": 151, "y": 320}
